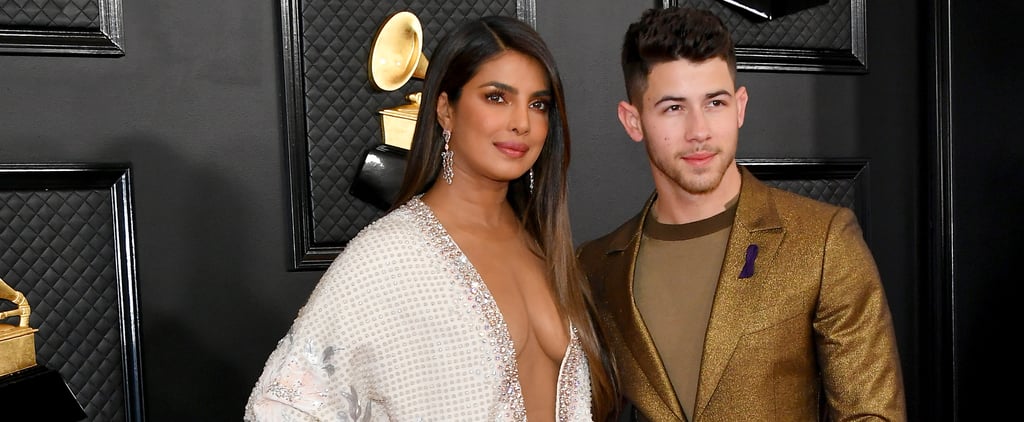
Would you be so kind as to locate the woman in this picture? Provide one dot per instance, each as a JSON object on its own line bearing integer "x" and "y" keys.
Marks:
{"x": 465, "y": 301}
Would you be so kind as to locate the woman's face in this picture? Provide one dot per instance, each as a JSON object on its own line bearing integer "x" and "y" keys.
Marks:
{"x": 500, "y": 122}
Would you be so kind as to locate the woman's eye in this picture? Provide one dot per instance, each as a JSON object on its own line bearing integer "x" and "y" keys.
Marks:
{"x": 540, "y": 105}
{"x": 496, "y": 97}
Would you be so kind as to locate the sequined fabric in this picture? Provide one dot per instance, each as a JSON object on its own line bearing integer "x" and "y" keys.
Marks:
{"x": 804, "y": 335}
{"x": 402, "y": 328}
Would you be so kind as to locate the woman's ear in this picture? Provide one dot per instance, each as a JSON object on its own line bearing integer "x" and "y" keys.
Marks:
{"x": 629, "y": 116}
{"x": 444, "y": 111}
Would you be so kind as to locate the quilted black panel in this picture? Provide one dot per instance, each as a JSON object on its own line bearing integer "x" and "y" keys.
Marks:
{"x": 46, "y": 14}
{"x": 57, "y": 249}
{"x": 821, "y": 27}
{"x": 61, "y": 27}
{"x": 840, "y": 192}
{"x": 341, "y": 104}
{"x": 841, "y": 182}
{"x": 66, "y": 242}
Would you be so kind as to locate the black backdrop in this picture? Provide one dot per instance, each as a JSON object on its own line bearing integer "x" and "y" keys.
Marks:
{"x": 195, "y": 105}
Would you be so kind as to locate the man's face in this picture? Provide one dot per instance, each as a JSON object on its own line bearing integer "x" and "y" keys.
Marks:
{"x": 689, "y": 118}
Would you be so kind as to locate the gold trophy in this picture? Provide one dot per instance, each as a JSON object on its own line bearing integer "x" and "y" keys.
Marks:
{"x": 395, "y": 57}
{"x": 29, "y": 391}
{"x": 17, "y": 342}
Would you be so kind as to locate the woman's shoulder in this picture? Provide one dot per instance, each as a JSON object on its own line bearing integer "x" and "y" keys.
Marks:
{"x": 396, "y": 223}
{"x": 400, "y": 235}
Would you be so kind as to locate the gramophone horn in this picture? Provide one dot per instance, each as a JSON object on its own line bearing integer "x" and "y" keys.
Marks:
{"x": 396, "y": 53}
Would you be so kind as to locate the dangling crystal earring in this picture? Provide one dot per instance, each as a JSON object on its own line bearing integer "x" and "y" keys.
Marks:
{"x": 531, "y": 181}
{"x": 446, "y": 157}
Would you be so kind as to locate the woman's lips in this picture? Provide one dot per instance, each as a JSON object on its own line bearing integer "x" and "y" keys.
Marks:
{"x": 512, "y": 149}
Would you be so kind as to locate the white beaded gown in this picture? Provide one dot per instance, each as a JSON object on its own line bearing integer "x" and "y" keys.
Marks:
{"x": 402, "y": 328}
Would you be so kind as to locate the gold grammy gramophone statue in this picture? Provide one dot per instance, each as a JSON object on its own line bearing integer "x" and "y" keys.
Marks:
{"x": 395, "y": 57}
{"x": 17, "y": 342}
{"x": 29, "y": 391}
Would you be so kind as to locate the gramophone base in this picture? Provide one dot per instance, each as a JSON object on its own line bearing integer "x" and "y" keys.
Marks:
{"x": 38, "y": 394}
{"x": 17, "y": 347}
{"x": 380, "y": 175}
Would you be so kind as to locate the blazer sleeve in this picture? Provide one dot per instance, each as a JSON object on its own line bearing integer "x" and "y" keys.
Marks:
{"x": 854, "y": 332}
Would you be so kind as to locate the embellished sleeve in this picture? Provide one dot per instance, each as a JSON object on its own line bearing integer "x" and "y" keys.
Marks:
{"x": 296, "y": 387}
{"x": 323, "y": 368}
{"x": 306, "y": 378}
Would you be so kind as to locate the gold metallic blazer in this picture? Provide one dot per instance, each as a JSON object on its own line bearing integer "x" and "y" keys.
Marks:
{"x": 806, "y": 336}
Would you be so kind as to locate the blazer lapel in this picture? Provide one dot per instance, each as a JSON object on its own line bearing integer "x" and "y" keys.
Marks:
{"x": 756, "y": 223}
{"x": 651, "y": 380}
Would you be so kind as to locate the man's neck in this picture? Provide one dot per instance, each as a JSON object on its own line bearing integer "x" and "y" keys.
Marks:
{"x": 676, "y": 206}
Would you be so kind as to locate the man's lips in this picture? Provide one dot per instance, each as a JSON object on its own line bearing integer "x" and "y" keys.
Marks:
{"x": 699, "y": 157}
{"x": 512, "y": 149}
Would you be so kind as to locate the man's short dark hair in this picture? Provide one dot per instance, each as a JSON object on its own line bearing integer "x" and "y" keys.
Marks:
{"x": 668, "y": 34}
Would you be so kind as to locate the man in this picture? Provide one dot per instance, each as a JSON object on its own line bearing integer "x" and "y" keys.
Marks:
{"x": 725, "y": 299}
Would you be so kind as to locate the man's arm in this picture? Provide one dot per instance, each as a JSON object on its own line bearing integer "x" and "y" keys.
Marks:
{"x": 855, "y": 339}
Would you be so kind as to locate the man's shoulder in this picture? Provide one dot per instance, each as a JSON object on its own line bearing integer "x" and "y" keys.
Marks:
{"x": 594, "y": 249}
{"x": 606, "y": 238}
{"x": 795, "y": 207}
{"x": 598, "y": 245}
{"x": 800, "y": 213}
{"x": 798, "y": 203}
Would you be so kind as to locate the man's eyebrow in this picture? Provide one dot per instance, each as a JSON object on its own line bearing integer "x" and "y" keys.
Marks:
{"x": 677, "y": 98}
{"x": 718, "y": 93}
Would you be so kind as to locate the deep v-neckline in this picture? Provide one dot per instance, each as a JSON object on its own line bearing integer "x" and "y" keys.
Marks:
{"x": 467, "y": 277}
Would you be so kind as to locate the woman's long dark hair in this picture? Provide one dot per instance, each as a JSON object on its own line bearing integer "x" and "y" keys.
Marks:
{"x": 545, "y": 212}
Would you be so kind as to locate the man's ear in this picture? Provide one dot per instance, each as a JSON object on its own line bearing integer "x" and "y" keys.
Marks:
{"x": 629, "y": 116}
{"x": 741, "y": 105}
{"x": 444, "y": 111}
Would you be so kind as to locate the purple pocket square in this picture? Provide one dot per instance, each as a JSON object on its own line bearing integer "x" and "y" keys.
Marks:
{"x": 748, "y": 265}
